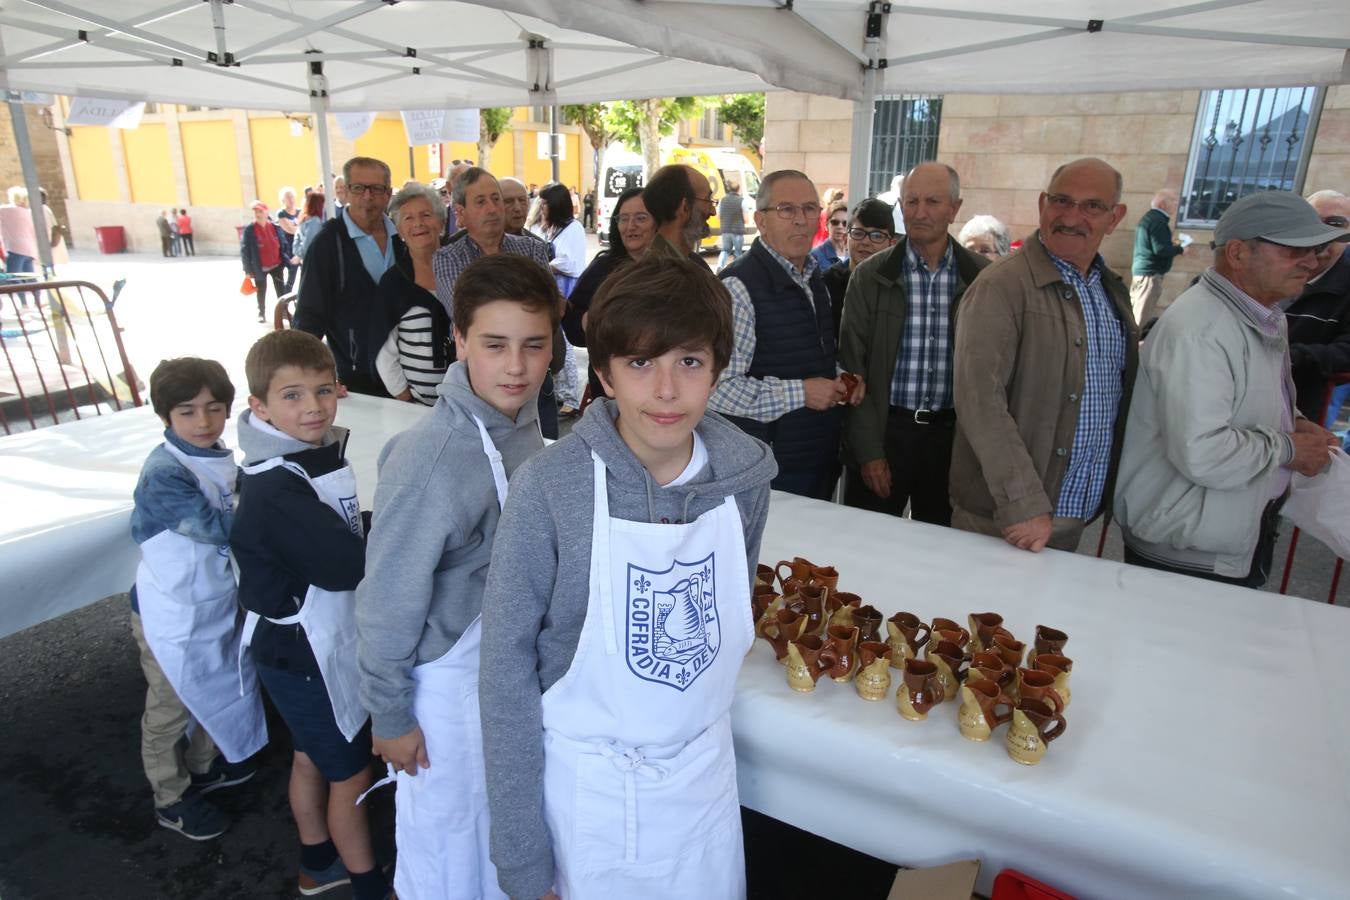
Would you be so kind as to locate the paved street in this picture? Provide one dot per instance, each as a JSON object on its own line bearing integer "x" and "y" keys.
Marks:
{"x": 79, "y": 821}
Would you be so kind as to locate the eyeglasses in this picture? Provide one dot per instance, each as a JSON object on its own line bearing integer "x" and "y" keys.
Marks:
{"x": 634, "y": 219}
{"x": 1293, "y": 252}
{"x": 1336, "y": 221}
{"x": 792, "y": 210}
{"x": 708, "y": 199}
{"x": 839, "y": 223}
{"x": 1093, "y": 209}
{"x": 875, "y": 235}
{"x": 375, "y": 190}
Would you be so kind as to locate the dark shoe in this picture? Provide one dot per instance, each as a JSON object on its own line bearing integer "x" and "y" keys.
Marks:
{"x": 223, "y": 774}
{"x": 193, "y": 817}
{"x": 312, "y": 882}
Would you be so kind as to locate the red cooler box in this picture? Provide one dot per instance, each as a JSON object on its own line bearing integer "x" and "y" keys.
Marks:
{"x": 111, "y": 238}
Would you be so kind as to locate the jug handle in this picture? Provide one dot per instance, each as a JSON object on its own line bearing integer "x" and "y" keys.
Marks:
{"x": 1059, "y": 701}
{"x": 927, "y": 633}
{"x": 1060, "y": 725}
{"x": 778, "y": 570}
{"x": 1003, "y": 700}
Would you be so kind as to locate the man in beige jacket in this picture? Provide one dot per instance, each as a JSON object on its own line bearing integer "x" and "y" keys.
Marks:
{"x": 1046, "y": 348}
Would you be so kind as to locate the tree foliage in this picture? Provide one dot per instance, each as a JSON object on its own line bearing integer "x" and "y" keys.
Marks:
{"x": 745, "y": 114}
{"x": 640, "y": 124}
{"x": 493, "y": 122}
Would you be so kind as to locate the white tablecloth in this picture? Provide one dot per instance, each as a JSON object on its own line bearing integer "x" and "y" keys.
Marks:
{"x": 65, "y": 493}
{"x": 1208, "y": 739}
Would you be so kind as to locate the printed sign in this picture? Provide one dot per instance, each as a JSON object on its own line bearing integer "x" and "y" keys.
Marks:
{"x": 671, "y": 625}
{"x": 354, "y": 124}
{"x": 105, "y": 111}
{"x": 439, "y": 126}
{"x": 542, "y": 140}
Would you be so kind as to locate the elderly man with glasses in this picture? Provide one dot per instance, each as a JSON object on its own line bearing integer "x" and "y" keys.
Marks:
{"x": 343, "y": 267}
{"x": 782, "y": 384}
{"x": 1046, "y": 347}
{"x": 1214, "y": 436}
{"x": 899, "y": 318}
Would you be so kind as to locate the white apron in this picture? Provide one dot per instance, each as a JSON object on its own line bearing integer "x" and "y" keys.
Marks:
{"x": 189, "y": 607}
{"x": 639, "y": 771}
{"x": 441, "y": 819}
{"x": 327, "y": 617}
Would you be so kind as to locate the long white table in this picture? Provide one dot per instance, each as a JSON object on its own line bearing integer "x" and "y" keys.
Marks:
{"x": 1208, "y": 744}
{"x": 65, "y": 501}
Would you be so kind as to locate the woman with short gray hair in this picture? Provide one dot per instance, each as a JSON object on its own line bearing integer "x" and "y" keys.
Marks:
{"x": 416, "y": 354}
{"x": 986, "y": 236}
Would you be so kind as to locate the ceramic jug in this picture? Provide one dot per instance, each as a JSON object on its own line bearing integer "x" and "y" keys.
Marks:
{"x": 979, "y": 714}
{"x": 868, "y": 621}
{"x": 874, "y": 673}
{"x": 1028, "y": 736}
{"x": 788, "y": 625}
{"x": 920, "y": 689}
{"x": 988, "y": 665}
{"x": 840, "y": 606}
{"x": 1009, "y": 649}
{"x": 982, "y": 627}
{"x": 825, "y": 576}
{"x": 807, "y": 660}
{"x": 813, "y": 597}
{"x": 765, "y": 575}
{"x": 843, "y": 642}
{"x": 799, "y": 568}
{"x": 907, "y": 634}
{"x": 1048, "y": 640}
{"x": 1037, "y": 685}
{"x": 762, "y": 597}
{"x": 1060, "y": 667}
{"x": 950, "y": 662}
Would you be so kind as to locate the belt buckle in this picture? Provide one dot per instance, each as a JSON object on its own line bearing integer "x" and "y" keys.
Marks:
{"x": 923, "y": 417}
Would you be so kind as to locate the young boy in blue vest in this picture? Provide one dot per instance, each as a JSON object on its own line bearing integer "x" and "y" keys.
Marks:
{"x": 300, "y": 544}
{"x": 442, "y": 484}
{"x": 617, "y": 614}
{"x": 184, "y": 605}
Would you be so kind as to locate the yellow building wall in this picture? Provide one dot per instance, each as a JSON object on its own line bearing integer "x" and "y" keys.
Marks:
{"x": 149, "y": 166}
{"x": 212, "y": 163}
{"x": 280, "y": 159}
{"x": 387, "y": 140}
{"x": 91, "y": 158}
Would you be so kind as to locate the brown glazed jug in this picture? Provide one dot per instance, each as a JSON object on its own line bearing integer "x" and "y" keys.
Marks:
{"x": 788, "y": 625}
{"x": 840, "y": 606}
{"x": 799, "y": 568}
{"x": 813, "y": 597}
{"x": 951, "y": 664}
{"x": 807, "y": 660}
{"x": 765, "y": 575}
{"x": 1009, "y": 649}
{"x": 874, "y": 673}
{"x": 1028, "y": 736}
{"x": 1048, "y": 640}
{"x": 920, "y": 689}
{"x": 868, "y": 621}
{"x": 907, "y": 634}
{"x": 982, "y": 627}
{"x": 1037, "y": 685}
{"x": 989, "y": 665}
{"x": 979, "y": 714}
{"x": 1060, "y": 667}
{"x": 762, "y": 597}
{"x": 825, "y": 576}
{"x": 843, "y": 641}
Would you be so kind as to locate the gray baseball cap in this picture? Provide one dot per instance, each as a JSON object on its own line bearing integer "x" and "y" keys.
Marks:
{"x": 1280, "y": 217}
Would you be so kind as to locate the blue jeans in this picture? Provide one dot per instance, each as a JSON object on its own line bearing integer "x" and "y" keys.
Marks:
{"x": 732, "y": 245}
{"x": 17, "y": 262}
{"x": 1339, "y": 395}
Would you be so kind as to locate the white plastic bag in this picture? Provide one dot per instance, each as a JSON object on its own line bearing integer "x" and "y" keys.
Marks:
{"x": 1320, "y": 505}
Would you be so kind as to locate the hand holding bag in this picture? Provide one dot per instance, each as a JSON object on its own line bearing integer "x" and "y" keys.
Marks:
{"x": 1320, "y": 505}
{"x": 248, "y": 288}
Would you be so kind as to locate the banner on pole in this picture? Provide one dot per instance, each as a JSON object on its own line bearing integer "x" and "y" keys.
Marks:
{"x": 439, "y": 126}
{"x": 354, "y": 124}
{"x": 105, "y": 111}
{"x": 36, "y": 98}
{"x": 544, "y": 145}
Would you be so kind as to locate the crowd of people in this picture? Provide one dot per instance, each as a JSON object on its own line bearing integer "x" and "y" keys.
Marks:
{"x": 542, "y": 643}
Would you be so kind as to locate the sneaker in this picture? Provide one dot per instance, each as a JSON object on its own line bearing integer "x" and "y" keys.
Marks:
{"x": 223, "y": 774}
{"x": 312, "y": 882}
{"x": 261, "y": 319}
{"x": 193, "y": 817}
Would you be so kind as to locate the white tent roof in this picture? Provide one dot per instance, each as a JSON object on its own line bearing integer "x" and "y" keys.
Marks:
{"x": 446, "y": 53}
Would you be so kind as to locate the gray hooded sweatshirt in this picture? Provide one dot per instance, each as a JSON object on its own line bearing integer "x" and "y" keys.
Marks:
{"x": 430, "y": 543}
{"x": 537, "y": 592}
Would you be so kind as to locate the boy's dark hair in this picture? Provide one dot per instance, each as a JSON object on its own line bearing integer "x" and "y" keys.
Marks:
{"x": 284, "y": 348}
{"x": 655, "y": 305}
{"x": 667, "y": 188}
{"x": 176, "y": 381}
{"x": 505, "y": 276}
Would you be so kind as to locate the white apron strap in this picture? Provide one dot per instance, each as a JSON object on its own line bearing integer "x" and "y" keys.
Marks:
{"x": 632, "y": 763}
{"x": 494, "y": 457}
{"x": 601, "y": 576}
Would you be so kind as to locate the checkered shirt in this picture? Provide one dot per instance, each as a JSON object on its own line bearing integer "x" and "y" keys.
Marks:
{"x": 1080, "y": 494}
{"x": 450, "y": 261}
{"x": 923, "y": 365}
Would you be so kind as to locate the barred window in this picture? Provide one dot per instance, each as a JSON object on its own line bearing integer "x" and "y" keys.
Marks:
{"x": 904, "y": 134}
{"x": 1247, "y": 140}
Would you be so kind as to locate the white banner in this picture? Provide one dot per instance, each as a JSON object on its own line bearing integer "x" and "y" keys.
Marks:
{"x": 439, "y": 126}
{"x": 105, "y": 111}
{"x": 542, "y": 145}
{"x": 36, "y": 99}
{"x": 354, "y": 125}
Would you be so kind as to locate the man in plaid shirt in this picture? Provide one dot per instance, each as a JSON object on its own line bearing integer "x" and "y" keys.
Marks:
{"x": 897, "y": 331}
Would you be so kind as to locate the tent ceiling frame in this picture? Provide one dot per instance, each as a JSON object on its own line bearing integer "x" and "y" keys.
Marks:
{"x": 84, "y": 15}
{"x": 173, "y": 9}
{"x": 591, "y": 76}
{"x": 306, "y": 27}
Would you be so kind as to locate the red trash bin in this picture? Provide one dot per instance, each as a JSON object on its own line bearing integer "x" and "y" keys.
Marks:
{"x": 111, "y": 238}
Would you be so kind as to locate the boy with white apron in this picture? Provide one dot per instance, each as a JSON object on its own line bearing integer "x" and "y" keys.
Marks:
{"x": 617, "y": 614}
{"x": 185, "y": 614}
{"x": 299, "y": 542}
{"x": 442, "y": 486}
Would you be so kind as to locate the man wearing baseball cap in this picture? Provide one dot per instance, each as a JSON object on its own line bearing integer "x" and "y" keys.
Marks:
{"x": 1214, "y": 436}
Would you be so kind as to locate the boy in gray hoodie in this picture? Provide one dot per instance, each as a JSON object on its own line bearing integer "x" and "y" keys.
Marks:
{"x": 437, "y": 505}
{"x": 617, "y": 614}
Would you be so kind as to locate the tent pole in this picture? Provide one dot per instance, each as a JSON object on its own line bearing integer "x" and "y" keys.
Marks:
{"x": 553, "y": 138}
{"x": 318, "y": 105}
{"x": 41, "y": 227}
{"x": 860, "y": 152}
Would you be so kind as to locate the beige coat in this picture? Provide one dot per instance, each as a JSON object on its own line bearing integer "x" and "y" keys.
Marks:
{"x": 1020, "y": 367}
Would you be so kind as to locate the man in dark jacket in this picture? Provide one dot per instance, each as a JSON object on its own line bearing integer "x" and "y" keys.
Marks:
{"x": 1319, "y": 320}
{"x": 342, "y": 269}
{"x": 1154, "y": 251}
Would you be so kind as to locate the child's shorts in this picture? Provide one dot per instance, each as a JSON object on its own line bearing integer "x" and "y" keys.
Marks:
{"x": 303, "y": 703}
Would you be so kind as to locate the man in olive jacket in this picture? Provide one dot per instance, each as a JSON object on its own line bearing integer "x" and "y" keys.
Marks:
{"x": 1046, "y": 351}
{"x": 898, "y": 331}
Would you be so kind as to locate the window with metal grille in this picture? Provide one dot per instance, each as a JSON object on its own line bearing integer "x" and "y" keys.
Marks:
{"x": 1247, "y": 140}
{"x": 710, "y": 125}
{"x": 904, "y": 134}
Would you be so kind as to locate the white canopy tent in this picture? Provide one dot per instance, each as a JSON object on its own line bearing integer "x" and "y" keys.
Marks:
{"x": 363, "y": 55}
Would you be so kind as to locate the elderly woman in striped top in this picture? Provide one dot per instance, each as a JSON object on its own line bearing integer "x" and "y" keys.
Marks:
{"x": 417, "y": 352}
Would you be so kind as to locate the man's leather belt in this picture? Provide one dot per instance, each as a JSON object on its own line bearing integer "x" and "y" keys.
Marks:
{"x": 926, "y": 416}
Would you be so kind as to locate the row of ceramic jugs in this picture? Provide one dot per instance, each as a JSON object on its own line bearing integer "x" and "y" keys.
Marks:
{"x": 817, "y": 630}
